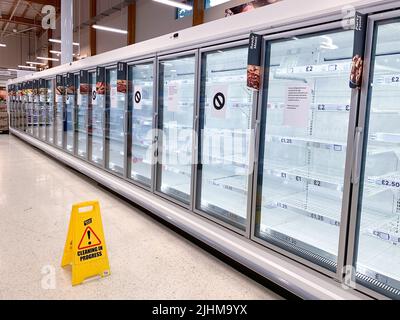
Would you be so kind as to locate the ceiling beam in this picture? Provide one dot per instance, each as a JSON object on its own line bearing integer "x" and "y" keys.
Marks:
{"x": 55, "y": 3}
{"x": 20, "y": 20}
{"x": 198, "y": 12}
{"x": 131, "y": 23}
{"x": 92, "y": 31}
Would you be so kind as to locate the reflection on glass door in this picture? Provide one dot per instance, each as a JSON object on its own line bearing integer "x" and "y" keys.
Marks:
{"x": 226, "y": 108}
{"x": 176, "y": 108}
{"x": 50, "y": 111}
{"x": 141, "y": 104}
{"x": 303, "y": 144}
{"x": 115, "y": 110}
{"x": 378, "y": 258}
{"x": 96, "y": 124}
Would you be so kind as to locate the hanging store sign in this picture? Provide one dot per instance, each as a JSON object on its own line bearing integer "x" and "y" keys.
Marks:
{"x": 360, "y": 26}
{"x": 43, "y": 91}
{"x": 297, "y": 106}
{"x": 254, "y": 62}
{"x": 29, "y": 91}
{"x": 85, "y": 247}
{"x": 83, "y": 93}
{"x": 60, "y": 89}
{"x": 100, "y": 85}
{"x": 122, "y": 85}
{"x": 70, "y": 90}
{"x": 35, "y": 91}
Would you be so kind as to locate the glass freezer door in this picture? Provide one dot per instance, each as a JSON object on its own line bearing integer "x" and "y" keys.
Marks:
{"x": 50, "y": 111}
{"x": 141, "y": 105}
{"x": 36, "y": 111}
{"x": 115, "y": 115}
{"x": 96, "y": 123}
{"x": 176, "y": 108}
{"x": 42, "y": 118}
{"x": 378, "y": 259}
{"x": 226, "y": 109}
{"x": 59, "y": 122}
{"x": 28, "y": 106}
{"x": 81, "y": 121}
{"x": 304, "y": 125}
{"x": 69, "y": 124}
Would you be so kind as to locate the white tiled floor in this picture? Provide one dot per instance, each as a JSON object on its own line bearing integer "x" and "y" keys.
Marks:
{"x": 148, "y": 261}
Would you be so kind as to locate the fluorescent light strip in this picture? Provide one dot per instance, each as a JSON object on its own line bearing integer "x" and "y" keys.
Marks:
{"x": 59, "y": 52}
{"x": 3, "y": 45}
{"x": 59, "y": 41}
{"x": 47, "y": 59}
{"x": 175, "y": 4}
{"x": 35, "y": 63}
{"x": 27, "y": 67}
{"x": 104, "y": 28}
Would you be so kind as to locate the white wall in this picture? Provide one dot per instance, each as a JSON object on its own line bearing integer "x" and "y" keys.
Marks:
{"x": 17, "y": 51}
{"x": 154, "y": 19}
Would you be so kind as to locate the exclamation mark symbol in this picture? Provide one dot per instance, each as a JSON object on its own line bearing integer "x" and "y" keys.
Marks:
{"x": 88, "y": 234}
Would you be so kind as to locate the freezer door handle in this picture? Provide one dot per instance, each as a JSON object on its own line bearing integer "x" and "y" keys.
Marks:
{"x": 355, "y": 175}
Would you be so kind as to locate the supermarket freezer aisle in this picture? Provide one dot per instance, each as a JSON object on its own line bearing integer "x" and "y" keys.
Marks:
{"x": 148, "y": 260}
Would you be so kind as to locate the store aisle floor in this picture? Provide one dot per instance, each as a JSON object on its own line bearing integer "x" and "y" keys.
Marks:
{"x": 148, "y": 260}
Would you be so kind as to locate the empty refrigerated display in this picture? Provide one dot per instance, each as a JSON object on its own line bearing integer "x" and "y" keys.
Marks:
{"x": 303, "y": 147}
{"x": 50, "y": 111}
{"x": 115, "y": 115}
{"x": 96, "y": 124}
{"x": 42, "y": 105}
{"x": 33, "y": 97}
{"x": 141, "y": 102}
{"x": 176, "y": 108}
{"x": 226, "y": 109}
{"x": 378, "y": 256}
{"x": 82, "y": 108}
{"x": 59, "y": 111}
{"x": 70, "y": 102}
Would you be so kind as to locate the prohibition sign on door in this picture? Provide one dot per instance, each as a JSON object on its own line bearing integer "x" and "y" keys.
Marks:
{"x": 137, "y": 97}
{"x": 218, "y": 101}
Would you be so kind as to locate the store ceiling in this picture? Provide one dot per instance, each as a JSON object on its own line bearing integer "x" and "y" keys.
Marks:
{"x": 20, "y": 16}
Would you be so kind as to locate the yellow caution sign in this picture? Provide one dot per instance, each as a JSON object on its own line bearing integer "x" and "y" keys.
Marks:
{"x": 85, "y": 248}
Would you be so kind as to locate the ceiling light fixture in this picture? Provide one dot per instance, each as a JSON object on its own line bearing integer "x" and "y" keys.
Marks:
{"x": 59, "y": 41}
{"x": 59, "y": 52}
{"x": 47, "y": 59}
{"x": 35, "y": 63}
{"x": 3, "y": 45}
{"x": 175, "y": 4}
{"x": 104, "y": 28}
{"x": 27, "y": 67}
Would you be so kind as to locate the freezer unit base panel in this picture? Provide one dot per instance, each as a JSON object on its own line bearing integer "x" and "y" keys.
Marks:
{"x": 286, "y": 273}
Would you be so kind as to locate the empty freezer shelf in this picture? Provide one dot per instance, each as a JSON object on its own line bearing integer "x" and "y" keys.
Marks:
{"x": 317, "y": 208}
{"x": 307, "y": 141}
